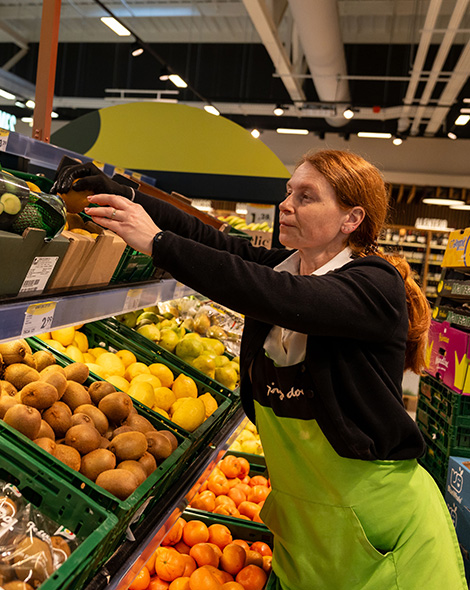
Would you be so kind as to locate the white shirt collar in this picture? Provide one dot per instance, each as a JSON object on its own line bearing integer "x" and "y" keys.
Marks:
{"x": 292, "y": 263}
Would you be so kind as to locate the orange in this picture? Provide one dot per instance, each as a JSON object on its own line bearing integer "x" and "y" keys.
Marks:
{"x": 261, "y": 547}
{"x": 243, "y": 487}
{"x": 195, "y": 531}
{"x": 236, "y": 495}
{"x": 157, "y": 584}
{"x": 252, "y": 577}
{"x": 189, "y": 564}
{"x": 150, "y": 565}
{"x": 249, "y": 509}
{"x": 233, "y": 481}
{"x": 216, "y": 548}
{"x": 175, "y": 533}
{"x": 242, "y": 543}
{"x": 230, "y": 466}
{"x": 204, "y": 554}
{"x": 219, "y": 575}
{"x": 220, "y": 535}
{"x": 267, "y": 563}
{"x": 180, "y": 584}
{"x": 141, "y": 581}
{"x": 233, "y": 558}
{"x": 226, "y": 509}
{"x": 169, "y": 564}
{"x": 218, "y": 484}
{"x": 258, "y": 480}
{"x": 244, "y": 467}
{"x": 204, "y": 501}
{"x": 182, "y": 548}
{"x": 258, "y": 494}
{"x": 253, "y": 557}
{"x": 203, "y": 579}
{"x": 232, "y": 586}
{"x": 223, "y": 499}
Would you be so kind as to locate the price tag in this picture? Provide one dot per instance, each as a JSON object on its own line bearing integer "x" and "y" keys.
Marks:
{"x": 38, "y": 318}
{"x": 3, "y": 139}
{"x": 132, "y": 299}
{"x": 38, "y": 274}
{"x": 256, "y": 213}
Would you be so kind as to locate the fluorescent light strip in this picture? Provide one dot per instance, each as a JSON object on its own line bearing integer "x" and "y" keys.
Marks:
{"x": 462, "y": 120}
{"x": 461, "y": 207}
{"x": 286, "y": 131}
{"x": 436, "y": 201}
{"x": 7, "y": 95}
{"x": 30, "y": 104}
{"x": 177, "y": 81}
{"x": 115, "y": 26}
{"x": 211, "y": 110}
{"x": 374, "y": 135}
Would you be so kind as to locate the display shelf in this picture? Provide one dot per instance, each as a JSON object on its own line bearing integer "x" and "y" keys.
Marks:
{"x": 20, "y": 317}
{"x": 132, "y": 555}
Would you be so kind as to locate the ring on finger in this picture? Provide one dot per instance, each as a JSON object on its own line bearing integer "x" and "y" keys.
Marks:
{"x": 113, "y": 214}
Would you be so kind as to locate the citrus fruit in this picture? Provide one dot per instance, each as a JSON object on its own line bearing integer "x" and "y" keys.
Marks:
{"x": 80, "y": 341}
{"x": 147, "y": 378}
{"x": 111, "y": 364}
{"x": 164, "y": 398}
{"x": 163, "y": 372}
{"x": 143, "y": 393}
{"x": 190, "y": 414}
{"x": 127, "y": 357}
{"x": 74, "y": 353}
{"x": 135, "y": 369}
{"x": 184, "y": 386}
{"x": 64, "y": 335}
{"x": 119, "y": 382}
{"x": 209, "y": 402}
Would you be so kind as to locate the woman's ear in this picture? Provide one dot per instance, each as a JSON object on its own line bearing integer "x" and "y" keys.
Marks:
{"x": 353, "y": 220}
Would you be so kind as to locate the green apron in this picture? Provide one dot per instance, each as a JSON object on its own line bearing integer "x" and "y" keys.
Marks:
{"x": 347, "y": 524}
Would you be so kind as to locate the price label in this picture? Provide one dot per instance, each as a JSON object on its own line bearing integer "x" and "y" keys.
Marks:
{"x": 38, "y": 274}
{"x": 260, "y": 213}
{"x": 3, "y": 139}
{"x": 38, "y": 318}
{"x": 132, "y": 299}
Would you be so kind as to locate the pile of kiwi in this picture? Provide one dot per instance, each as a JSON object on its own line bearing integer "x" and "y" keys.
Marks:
{"x": 93, "y": 429}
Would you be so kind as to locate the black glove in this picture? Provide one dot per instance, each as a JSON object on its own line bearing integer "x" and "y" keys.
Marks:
{"x": 91, "y": 178}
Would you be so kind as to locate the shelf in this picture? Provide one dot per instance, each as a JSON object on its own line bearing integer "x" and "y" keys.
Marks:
{"x": 16, "y": 316}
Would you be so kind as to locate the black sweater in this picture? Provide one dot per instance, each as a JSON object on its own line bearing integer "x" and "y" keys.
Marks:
{"x": 355, "y": 317}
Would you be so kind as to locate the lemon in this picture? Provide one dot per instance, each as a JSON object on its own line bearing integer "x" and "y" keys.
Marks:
{"x": 177, "y": 404}
{"x": 80, "y": 341}
{"x": 111, "y": 364}
{"x": 94, "y": 368}
{"x": 168, "y": 339}
{"x": 88, "y": 357}
{"x": 227, "y": 376}
{"x": 142, "y": 392}
{"x": 97, "y": 351}
{"x": 161, "y": 412}
{"x": 135, "y": 369}
{"x": 65, "y": 335}
{"x": 57, "y": 345}
{"x": 184, "y": 386}
{"x": 127, "y": 357}
{"x": 209, "y": 402}
{"x": 147, "y": 378}
{"x": 45, "y": 336}
{"x": 163, "y": 372}
{"x": 164, "y": 398}
{"x": 149, "y": 331}
{"x": 190, "y": 414}
{"x": 118, "y": 382}
{"x": 205, "y": 363}
{"x": 74, "y": 353}
{"x": 216, "y": 345}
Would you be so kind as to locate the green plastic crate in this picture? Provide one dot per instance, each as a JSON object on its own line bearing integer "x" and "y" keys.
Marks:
{"x": 451, "y": 439}
{"x": 101, "y": 334}
{"x": 44, "y": 183}
{"x": 435, "y": 461}
{"x": 159, "y": 354}
{"x": 94, "y": 527}
{"x": 449, "y": 404}
{"x": 133, "y": 267}
{"x": 148, "y": 492}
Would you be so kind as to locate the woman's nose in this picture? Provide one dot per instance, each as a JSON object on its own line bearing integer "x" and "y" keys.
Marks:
{"x": 286, "y": 204}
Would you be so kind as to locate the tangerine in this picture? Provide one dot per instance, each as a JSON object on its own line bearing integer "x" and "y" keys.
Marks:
{"x": 232, "y": 586}
{"x": 252, "y": 577}
{"x": 219, "y": 575}
{"x": 204, "y": 554}
{"x": 180, "y": 584}
{"x": 203, "y": 579}
{"x": 182, "y": 548}
{"x": 233, "y": 558}
{"x": 204, "y": 501}
{"x": 218, "y": 484}
{"x": 244, "y": 467}
{"x": 258, "y": 493}
{"x": 230, "y": 466}
{"x": 189, "y": 564}
{"x": 224, "y": 499}
{"x": 236, "y": 495}
{"x": 253, "y": 557}
{"x": 195, "y": 531}
{"x": 157, "y": 583}
{"x": 249, "y": 509}
{"x": 258, "y": 480}
{"x": 169, "y": 564}
{"x": 242, "y": 543}
{"x": 175, "y": 533}
{"x": 233, "y": 481}
{"x": 141, "y": 581}
{"x": 226, "y": 509}
{"x": 261, "y": 547}
{"x": 243, "y": 487}
{"x": 220, "y": 535}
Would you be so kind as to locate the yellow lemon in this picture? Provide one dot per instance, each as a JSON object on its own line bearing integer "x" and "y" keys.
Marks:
{"x": 163, "y": 372}
{"x": 135, "y": 369}
{"x": 64, "y": 335}
{"x": 147, "y": 378}
{"x": 164, "y": 398}
{"x": 190, "y": 414}
{"x": 184, "y": 386}
{"x": 111, "y": 363}
{"x": 74, "y": 353}
{"x": 57, "y": 345}
{"x": 97, "y": 351}
{"x": 81, "y": 341}
{"x": 118, "y": 382}
{"x": 161, "y": 412}
{"x": 209, "y": 402}
{"x": 142, "y": 392}
{"x": 127, "y": 357}
{"x": 88, "y": 357}
{"x": 96, "y": 369}
{"x": 45, "y": 336}
{"x": 177, "y": 404}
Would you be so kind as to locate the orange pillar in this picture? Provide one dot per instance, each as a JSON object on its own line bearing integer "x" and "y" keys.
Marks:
{"x": 45, "y": 77}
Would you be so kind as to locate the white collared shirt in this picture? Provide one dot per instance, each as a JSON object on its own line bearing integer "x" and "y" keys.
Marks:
{"x": 284, "y": 346}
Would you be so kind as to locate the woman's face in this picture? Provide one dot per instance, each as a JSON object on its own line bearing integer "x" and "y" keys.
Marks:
{"x": 310, "y": 217}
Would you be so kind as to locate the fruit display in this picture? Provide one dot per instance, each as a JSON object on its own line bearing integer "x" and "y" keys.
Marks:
{"x": 248, "y": 441}
{"x": 240, "y": 223}
{"x": 231, "y": 491}
{"x": 154, "y": 385}
{"x": 94, "y": 429}
{"x": 14, "y": 194}
{"x": 199, "y": 556}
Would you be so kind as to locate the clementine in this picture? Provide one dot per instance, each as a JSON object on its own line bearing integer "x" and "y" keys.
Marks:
{"x": 226, "y": 509}
{"x": 233, "y": 481}
{"x": 220, "y": 535}
{"x": 244, "y": 467}
{"x": 195, "y": 531}
{"x": 175, "y": 533}
{"x": 252, "y": 577}
{"x": 244, "y": 487}
{"x": 249, "y": 509}
{"x": 236, "y": 495}
{"x": 258, "y": 493}
{"x": 242, "y": 543}
{"x": 223, "y": 499}
{"x": 232, "y": 586}
{"x": 169, "y": 564}
{"x": 218, "y": 484}
{"x": 189, "y": 564}
{"x": 261, "y": 547}
{"x": 253, "y": 557}
{"x": 150, "y": 565}
{"x": 233, "y": 558}
{"x": 182, "y": 548}
{"x": 219, "y": 575}
{"x": 157, "y": 583}
{"x": 267, "y": 563}
{"x": 180, "y": 584}
{"x": 204, "y": 501}
{"x": 258, "y": 480}
{"x": 216, "y": 548}
{"x": 204, "y": 554}
{"x": 230, "y": 466}
{"x": 141, "y": 581}
{"x": 202, "y": 578}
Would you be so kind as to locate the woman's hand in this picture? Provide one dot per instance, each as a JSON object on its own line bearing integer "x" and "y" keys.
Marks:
{"x": 128, "y": 220}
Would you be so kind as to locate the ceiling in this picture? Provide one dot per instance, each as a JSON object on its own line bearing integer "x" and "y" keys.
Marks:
{"x": 402, "y": 65}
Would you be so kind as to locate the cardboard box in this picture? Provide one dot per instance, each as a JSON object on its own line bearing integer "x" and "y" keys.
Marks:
{"x": 79, "y": 248}
{"x": 457, "y": 253}
{"x": 457, "y": 497}
{"x": 260, "y": 238}
{"x": 29, "y": 263}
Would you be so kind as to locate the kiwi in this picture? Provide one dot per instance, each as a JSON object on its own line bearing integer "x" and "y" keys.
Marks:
{"x": 159, "y": 446}
{"x": 99, "y": 419}
{"x": 83, "y": 437}
{"x": 59, "y": 418}
{"x": 68, "y": 455}
{"x": 39, "y": 395}
{"x": 104, "y": 444}
{"x": 6, "y": 388}
{"x": 171, "y": 437}
{"x": 139, "y": 423}
{"x": 81, "y": 419}
{"x": 96, "y": 462}
{"x": 55, "y": 378}
{"x": 75, "y": 395}
{"x": 14, "y": 351}
{"x": 148, "y": 462}
{"x": 6, "y": 402}
{"x": 25, "y": 419}
{"x": 100, "y": 389}
{"x": 33, "y": 560}
{"x": 30, "y": 361}
{"x": 60, "y": 550}
{"x": 20, "y": 375}
{"x": 136, "y": 469}
{"x": 116, "y": 406}
{"x": 43, "y": 359}
{"x": 46, "y": 431}
{"x": 120, "y": 430}
{"x": 46, "y": 443}
{"x": 119, "y": 482}
{"x": 77, "y": 372}
{"x": 52, "y": 369}
{"x": 128, "y": 445}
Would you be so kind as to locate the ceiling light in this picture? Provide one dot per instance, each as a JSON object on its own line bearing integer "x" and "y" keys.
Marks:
{"x": 7, "y": 95}
{"x": 54, "y": 115}
{"x": 278, "y": 111}
{"x": 286, "y": 131}
{"x": 451, "y": 135}
{"x": 255, "y": 133}
{"x": 465, "y": 111}
{"x": 115, "y": 26}
{"x": 136, "y": 51}
{"x": 211, "y": 110}
{"x": 28, "y": 120}
{"x": 461, "y": 207}
{"x": 177, "y": 81}
{"x": 348, "y": 113}
{"x": 164, "y": 74}
{"x": 30, "y": 104}
{"x": 374, "y": 135}
{"x": 462, "y": 120}
{"x": 437, "y": 201}
{"x": 20, "y": 104}
{"x": 397, "y": 141}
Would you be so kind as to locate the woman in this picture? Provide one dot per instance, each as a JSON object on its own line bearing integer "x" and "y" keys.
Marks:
{"x": 329, "y": 330}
